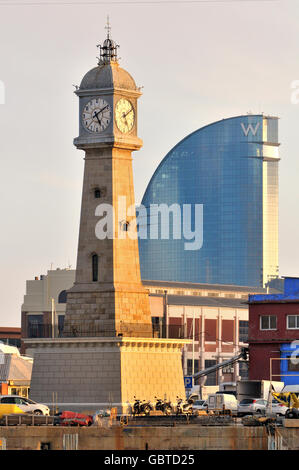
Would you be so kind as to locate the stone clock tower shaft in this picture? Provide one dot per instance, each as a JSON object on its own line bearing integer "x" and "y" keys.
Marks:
{"x": 108, "y": 298}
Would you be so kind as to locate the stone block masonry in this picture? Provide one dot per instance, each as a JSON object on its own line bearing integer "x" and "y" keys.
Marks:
{"x": 102, "y": 372}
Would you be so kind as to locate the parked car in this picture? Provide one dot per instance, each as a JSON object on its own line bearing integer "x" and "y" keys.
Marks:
{"x": 250, "y": 406}
{"x": 200, "y": 405}
{"x": 25, "y": 404}
{"x": 222, "y": 401}
{"x": 277, "y": 408}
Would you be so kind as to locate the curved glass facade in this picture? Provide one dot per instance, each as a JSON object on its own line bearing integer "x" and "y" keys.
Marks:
{"x": 229, "y": 169}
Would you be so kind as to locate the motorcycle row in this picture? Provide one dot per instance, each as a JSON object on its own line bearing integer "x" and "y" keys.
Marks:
{"x": 182, "y": 407}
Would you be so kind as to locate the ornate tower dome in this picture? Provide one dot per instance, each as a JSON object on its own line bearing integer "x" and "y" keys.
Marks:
{"x": 108, "y": 74}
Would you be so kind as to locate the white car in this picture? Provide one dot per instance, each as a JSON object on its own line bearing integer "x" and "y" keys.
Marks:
{"x": 25, "y": 404}
{"x": 200, "y": 405}
{"x": 277, "y": 408}
{"x": 251, "y": 406}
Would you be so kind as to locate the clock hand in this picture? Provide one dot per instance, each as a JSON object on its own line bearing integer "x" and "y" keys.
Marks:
{"x": 96, "y": 115}
{"x": 101, "y": 110}
{"x": 125, "y": 119}
{"x": 125, "y": 114}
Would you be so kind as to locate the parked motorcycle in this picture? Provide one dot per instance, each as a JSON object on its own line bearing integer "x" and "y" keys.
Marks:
{"x": 164, "y": 406}
{"x": 184, "y": 407}
{"x": 141, "y": 407}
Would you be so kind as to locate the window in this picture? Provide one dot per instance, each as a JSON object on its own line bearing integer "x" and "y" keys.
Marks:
{"x": 189, "y": 366}
{"x": 243, "y": 370}
{"x": 10, "y": 400}
{"x": 268, "y": 322}
{"x": 97, "y": 193}
{"x": 35, "y": 327}
{"x": 243, "y": 331}
{"x": 21, "y": 401}
{"x": 211, "y": 378}
{"x": 95, "y": 267}
{"x": 60, "y": 325}
{"x": 124, "y": 226}
{"x": 11, "y": 341}
{"x": 261, "y": 402}
{"x": 293, "y": 322}
{"x": 62, "y": 297}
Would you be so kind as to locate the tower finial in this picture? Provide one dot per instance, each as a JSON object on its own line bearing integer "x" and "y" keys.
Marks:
{"x": 108, "y": 51}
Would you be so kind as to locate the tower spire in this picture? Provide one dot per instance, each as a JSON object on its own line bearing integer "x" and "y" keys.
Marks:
{"x": 108, "y": 27}
{"x": 108, "y": 51}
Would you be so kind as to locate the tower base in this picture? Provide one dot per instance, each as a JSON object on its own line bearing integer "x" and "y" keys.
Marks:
{"x": 88, "y": 374}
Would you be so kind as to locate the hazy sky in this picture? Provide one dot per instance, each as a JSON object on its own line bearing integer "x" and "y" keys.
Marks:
{"x": 198, "y": 62}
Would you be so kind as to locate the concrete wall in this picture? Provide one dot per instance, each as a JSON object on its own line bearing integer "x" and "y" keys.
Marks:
{"x": 187, "y": 437}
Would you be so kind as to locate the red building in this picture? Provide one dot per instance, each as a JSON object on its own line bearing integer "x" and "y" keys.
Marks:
{"x": 273, "y": 327}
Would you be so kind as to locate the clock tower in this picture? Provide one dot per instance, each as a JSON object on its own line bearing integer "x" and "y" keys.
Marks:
{"x": 107, "y": 354}
{"x": 108, "y": 298}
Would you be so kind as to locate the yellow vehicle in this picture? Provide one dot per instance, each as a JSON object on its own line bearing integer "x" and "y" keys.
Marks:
{"x": 8, "y": 409}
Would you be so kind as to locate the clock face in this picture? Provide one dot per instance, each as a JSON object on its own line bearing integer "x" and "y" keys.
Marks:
{"x": 96, "y": 115}
{"x": 124, "y": 115}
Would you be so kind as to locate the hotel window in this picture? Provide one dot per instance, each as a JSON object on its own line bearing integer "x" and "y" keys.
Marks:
{"x": 268, "y": 322}
{"x": 293, "y": 322}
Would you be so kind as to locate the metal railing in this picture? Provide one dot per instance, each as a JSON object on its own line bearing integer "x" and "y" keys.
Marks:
{"x": 87, "y": 328}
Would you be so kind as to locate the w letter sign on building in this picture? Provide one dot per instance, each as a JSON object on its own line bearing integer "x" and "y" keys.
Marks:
{"x": 250, "y": 128}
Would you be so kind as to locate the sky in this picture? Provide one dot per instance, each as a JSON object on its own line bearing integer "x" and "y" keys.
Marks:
{"x": 197, "y": 61}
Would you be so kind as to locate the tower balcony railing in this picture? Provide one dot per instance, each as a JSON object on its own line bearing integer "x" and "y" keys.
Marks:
{"x": 85, "y": 329}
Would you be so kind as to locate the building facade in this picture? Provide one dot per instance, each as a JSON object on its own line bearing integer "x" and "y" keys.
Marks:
{"x": 214, "y": 317}
{"x": 274, "y": 335}
{"x": 10, "y": 336}
{"x": 226, "y": 175}
{"x": 15, "y": 371}
{"x": 43, "y": 308}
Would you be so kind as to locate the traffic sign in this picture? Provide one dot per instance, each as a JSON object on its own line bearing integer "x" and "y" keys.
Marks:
{"x": 188, "y": 381}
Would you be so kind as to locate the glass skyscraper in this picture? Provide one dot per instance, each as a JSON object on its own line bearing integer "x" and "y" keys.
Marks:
{"x": 226, "y": 177}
